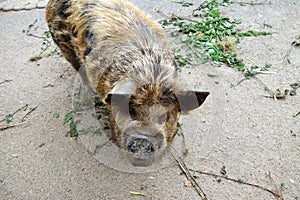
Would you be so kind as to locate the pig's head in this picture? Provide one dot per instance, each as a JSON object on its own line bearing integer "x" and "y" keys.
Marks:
{"x": 144, "y": 121}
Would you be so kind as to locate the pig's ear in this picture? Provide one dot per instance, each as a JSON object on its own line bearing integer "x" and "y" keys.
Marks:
{"x": 190, "y": 100}
{"x": 120, "y": 93}
{"x": 117, "y": 99}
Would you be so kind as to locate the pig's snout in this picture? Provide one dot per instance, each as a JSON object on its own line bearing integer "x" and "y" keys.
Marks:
{"x": 141, "y": 145}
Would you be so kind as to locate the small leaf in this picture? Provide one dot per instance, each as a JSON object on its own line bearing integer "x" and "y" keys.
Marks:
{"x": 186, "y": 4}
{"x": 241, "y": 180}
{"x": 211, "y": 75}
{"x": 293, "y": 92}
{"x": 77, "y": 103}
{"x": 9, "y": 118}
{"x": 295, "y": 85}
{"x": 237, "y": 21}
{"x": 297, "y": 41}
{"x": 296, "y": 113}
{"x": 178, "y": 125}
{"x": 47, "y": 34}
{"x": 286, "y": 91}
{"x": 68, "y": 117}
{"x": 223, "y": 170}
{"x": 293, "y": 133}
{"x": 55, "y": 115}
{"x": 73, "y": 129}
{"x": 196, "y": 175}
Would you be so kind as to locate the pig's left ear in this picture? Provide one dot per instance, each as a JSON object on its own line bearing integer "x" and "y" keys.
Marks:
{"x": 190, "y": 100}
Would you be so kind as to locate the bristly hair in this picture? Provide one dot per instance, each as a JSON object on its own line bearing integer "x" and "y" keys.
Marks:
{"x": 151, "y": 94}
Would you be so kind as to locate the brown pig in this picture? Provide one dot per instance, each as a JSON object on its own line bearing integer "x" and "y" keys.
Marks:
{"x": 126, "y": 60}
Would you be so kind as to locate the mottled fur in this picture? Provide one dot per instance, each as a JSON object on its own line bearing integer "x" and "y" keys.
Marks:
{"x": 124, "y": 57}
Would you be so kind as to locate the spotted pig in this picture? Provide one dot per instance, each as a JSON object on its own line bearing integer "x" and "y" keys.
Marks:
{"x": 126, "y": 60}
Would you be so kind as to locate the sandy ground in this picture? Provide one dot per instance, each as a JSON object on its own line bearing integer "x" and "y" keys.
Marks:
{"x": 255, "y": 137}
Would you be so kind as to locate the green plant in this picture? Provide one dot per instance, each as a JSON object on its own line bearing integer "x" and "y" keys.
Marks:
{"x": 46, "y": 44}
{"x": 212, "y": 38}
{"x": 69, "y": 118}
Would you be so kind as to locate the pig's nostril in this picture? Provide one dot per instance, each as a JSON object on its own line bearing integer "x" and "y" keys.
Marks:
{"x": 140, "y": 145}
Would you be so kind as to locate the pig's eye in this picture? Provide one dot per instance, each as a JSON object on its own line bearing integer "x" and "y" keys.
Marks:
{"x": 133, "y": 113}
{"x": 162, "y": 118}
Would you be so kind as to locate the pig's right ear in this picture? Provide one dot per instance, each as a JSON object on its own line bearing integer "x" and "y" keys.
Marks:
{"x": 190, "y": 100}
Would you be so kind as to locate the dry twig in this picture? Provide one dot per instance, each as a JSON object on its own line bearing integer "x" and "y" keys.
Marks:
{"x": 2, "y": 128}
{"x": 28, "y": 113}
{"x": 272, "y": 94}
{"x": 276, "y": 193}
{"x": 188, "y": 175}
{"x": 22, "y": 121}
{"x": 252, "y": 3}
{"x": 5, "y": 81}
{"x": 288, "y": 53}
{"x": 137, "y": 193}
{"x": 23, "y": 108}
{"x": 173, "y": 17}
{"x": 28, "y": 31}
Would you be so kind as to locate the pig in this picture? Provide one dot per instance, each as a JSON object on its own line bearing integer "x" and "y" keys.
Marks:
{"x": 126, "y": 60}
